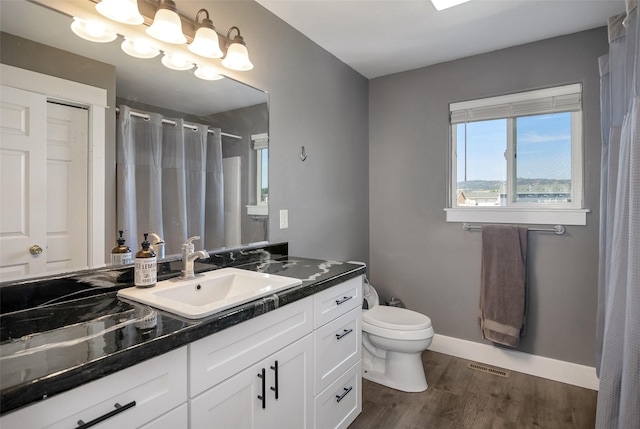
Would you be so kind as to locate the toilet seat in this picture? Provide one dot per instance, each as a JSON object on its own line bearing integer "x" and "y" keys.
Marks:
{"x": 396, "y": 318}
{"x": 396, "y": 323}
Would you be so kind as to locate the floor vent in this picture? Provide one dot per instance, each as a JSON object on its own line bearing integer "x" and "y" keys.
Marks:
{"x": 489, "y": 370}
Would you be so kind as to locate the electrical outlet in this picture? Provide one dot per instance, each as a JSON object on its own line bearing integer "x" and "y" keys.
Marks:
{"x": 284, "y": 219}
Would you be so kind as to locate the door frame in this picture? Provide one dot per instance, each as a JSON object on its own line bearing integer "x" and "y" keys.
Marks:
{"x": 95, "y": 99}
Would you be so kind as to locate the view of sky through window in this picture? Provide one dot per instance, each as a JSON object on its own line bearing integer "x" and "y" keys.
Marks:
{"x": 542, "y": 166}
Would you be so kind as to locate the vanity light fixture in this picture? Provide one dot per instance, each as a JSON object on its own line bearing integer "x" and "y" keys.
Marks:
{"x": 205, "y": 42}
{"x": 92, "y": 31}
{"x": 167, "y": 25}
{"x": 125, "y": 11}
{"x": 176, "y": 61}
{"x": 139, "y": 48}
{"x": 237, "y": 57}
{"x": 207, "y": 73}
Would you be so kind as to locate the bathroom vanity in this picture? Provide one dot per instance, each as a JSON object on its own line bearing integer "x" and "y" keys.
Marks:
{"x": 288, "y": 360}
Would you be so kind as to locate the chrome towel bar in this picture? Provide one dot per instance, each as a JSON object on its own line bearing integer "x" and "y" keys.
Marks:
{"x": 558, "y": 229}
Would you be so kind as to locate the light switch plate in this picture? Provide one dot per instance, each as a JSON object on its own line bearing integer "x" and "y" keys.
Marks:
{"x": 284, "y": 219}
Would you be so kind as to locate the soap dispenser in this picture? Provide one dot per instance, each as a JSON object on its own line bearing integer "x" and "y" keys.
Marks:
{"x": 121, "y": 254}
{"x": 145, "y": 269}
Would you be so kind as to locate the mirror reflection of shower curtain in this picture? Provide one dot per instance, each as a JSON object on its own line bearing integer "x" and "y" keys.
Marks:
{"x": 169, "y": 181}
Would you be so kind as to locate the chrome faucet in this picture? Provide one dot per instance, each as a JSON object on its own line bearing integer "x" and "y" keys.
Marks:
{"x": 189, "y": 256}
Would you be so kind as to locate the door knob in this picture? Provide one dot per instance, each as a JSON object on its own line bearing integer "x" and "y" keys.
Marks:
{"x": 35, "y": 249}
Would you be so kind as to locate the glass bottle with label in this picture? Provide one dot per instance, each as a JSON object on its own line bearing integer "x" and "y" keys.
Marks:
{"x": 145, "y": 269}
{"x": 121, "y": 254}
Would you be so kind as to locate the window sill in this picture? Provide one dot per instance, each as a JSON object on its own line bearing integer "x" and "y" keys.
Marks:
{"x": 518, "y": 215}
{"x": 259, "y": 210}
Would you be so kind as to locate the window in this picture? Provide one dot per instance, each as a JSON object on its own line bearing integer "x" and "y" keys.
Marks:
{"x": 518, "y": 158}
{"x": 261, "y": 197}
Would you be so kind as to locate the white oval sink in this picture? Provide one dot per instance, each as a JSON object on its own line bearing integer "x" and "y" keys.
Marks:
{"x": 210, "y": 292}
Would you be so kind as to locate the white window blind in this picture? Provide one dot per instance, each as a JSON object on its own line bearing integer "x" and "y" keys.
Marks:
{"x": 559, "y": 99}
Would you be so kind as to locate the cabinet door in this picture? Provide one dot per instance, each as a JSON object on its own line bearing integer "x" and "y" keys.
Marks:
{"x": 290, "y": 376}
{"x": 232, "y": 404}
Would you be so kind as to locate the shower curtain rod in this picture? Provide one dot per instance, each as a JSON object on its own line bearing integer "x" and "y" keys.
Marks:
{"x": 558, "y": 229}
{"x": 170, "y": 122}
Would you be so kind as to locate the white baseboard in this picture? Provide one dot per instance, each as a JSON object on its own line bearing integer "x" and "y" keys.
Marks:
{"x": 539, "y": 366}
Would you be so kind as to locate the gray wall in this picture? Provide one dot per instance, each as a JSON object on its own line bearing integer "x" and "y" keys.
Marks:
{"x": 434, "y": 266}
{"x": 318, "y": 102}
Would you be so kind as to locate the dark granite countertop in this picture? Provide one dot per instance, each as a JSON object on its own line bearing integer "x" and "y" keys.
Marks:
{"x": 85, "y": 331}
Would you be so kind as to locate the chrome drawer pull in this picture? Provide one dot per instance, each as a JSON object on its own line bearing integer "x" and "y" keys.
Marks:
{"x": 345, "y": 332}
{"x": 118, "y": 410}
{"x": 345, "y": 393}
{"x": 343, "y": 300}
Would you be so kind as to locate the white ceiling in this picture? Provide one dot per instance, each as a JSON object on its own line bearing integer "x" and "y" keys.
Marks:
{"x": 381, "y": 37}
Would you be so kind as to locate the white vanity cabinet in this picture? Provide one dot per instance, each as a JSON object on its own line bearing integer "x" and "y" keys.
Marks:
{"x": 149, "y": 395}
{"x": 257, "y": 374}
{"x": 338, "y": 355}
{"x": 297, "y": 367}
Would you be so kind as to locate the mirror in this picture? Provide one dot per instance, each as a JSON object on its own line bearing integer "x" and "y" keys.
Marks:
{"x": 240, "y": 111}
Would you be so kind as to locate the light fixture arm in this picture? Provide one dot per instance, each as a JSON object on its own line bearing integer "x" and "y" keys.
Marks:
{"x": 206, "y": 22}
{"x": 237, "y": 39}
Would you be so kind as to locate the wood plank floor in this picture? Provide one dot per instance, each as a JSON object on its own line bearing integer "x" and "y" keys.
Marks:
{"x": 459, "y": 397}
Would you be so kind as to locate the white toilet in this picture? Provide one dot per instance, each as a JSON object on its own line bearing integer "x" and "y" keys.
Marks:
{"x": 393, "y": 340}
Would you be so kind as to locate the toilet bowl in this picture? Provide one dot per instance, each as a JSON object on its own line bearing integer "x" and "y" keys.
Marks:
{"x": 393, "y": 340}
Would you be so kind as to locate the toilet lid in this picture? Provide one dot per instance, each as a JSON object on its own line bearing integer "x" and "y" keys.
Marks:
{"x": 396, "y": 318}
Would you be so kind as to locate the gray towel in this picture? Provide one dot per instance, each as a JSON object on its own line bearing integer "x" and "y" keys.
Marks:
{"x": 503, "y": 283}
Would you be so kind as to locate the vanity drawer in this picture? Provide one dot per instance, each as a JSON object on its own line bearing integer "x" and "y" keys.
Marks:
{"x": 338, "y": 346}
{"x": 340, "y": 403}
{"x": 338, "y": 300}
{"x": 156, "y": 385}
{"x": 217, "y": 357}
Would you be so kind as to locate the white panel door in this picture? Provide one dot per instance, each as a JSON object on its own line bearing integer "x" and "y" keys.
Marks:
{"x": 67, "y": 142}
{"x": 23, "y": 182}
{"x": 43, "y": 152}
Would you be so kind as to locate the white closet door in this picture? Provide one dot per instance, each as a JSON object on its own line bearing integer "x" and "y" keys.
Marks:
{"x": 67, "y": 140}
{"x": 23, "y": 183}
{"x": 43, "y": 186}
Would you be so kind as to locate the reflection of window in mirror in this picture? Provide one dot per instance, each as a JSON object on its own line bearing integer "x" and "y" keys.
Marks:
{"x": 262, "y": 183}
{"x": 260, "y": 143}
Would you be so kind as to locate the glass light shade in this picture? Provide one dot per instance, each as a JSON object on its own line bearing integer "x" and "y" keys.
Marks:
{"x": 237, "y": 58}
{"x": 208, "y": 73}
{"x": 205, "y": 43}
{"x": 125, "y": 11}
{"x": 167, "y": 27}
{"x": 92, "y": 30}
{"x": 176, "y": 61}
{"x": 139, "y": 48}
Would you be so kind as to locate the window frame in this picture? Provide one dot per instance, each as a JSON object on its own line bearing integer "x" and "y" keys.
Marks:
{"x": 572, "y": 213}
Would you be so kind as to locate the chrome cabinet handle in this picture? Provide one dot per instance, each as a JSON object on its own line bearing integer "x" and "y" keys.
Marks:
{"x": 343, "y": 300}
{"x": 345, "y": 332}
{"x": 118, "y": 410}
{"x": 263, "y": 397}
{"x": 275, "y": 388}
{"x": 35, "y": 249}
{"x": 345, "y": 393}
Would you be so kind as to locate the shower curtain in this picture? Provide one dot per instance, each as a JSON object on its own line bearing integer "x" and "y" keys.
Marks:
{"x": 618, "y": 328}
{"x": 169, "y": 181}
